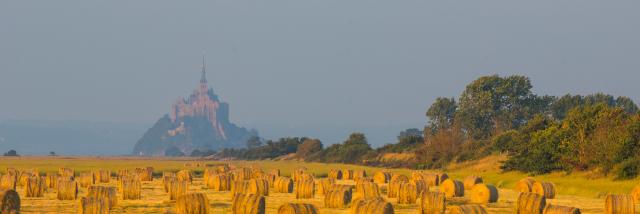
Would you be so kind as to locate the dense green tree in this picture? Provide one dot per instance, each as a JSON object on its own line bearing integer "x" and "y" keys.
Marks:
{"x": 441, "y": 113}
{"x": 308, "y": 148}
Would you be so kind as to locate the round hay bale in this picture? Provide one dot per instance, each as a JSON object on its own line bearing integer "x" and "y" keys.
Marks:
{"x": 8, "y": 181}
{"x": 635, "y": 193}
{"x": 35, "y": 187}
{"x": 525, "y": 185}
{"x": 94, "y": 205}
{"x": 168, "y": 174}
{"x": 102, "y": 176}
{"x": 242, "y": 174}
{"x": 185, "y": 175}
{"x": 429, "y": 179}
{"x": 421, "y": 185}
{"x": 547, "y": 189}
{"x": 177, "y": 188}
{"x": 9, "y": 201}
{"x": 471, "y": 180}
{"x": 371, "y": 206}
{"x": 530, "y": 203}
{"x": 335, "y": 174}
{"x": 86, "y": 179}
{"x": 218, "y": 182}
{"x": 338, "y": 198}
{"x": 442, "y": 177}
{"x": 67, "y": 189}
{"x": 166, "y": 181}
{"x": 258, "y": 186}
{"x": 366, "y": 190}
{"x": 270, "y": 178}
{"x": 347, "y": 174}
{"x": 399, "y": 178}
{"x": 239, "y": 187}
{"x": 192, "y": 203}
{"x": 304, "y": 189}
{"x": 324, "y": 185}
{"x": 283, "y": 185}
{"x": 394, "y": 187}
{"x": 131, "y": 189}
{"x": 467, "y": 209}
{"x": 124, "y": 173}
{"x": 557, "y": 209}
{"x": 619, "y": 204}
{"x": 359, "y": 174}
{"x": 483, "y": 193}
{"x": 107, "y": 193}
{"x": 66, "y": 172}
{"x": 24, "y": 178}
{"x": 297, "y": 208}
{"x": 432, "y": 202}
{"x": 51, "y": 180}
{"x": 145, "y": 174}
{"x": 248, "y": 204}
{"x": 452, "y": 188}
{"x": 296, "y": 175}
{"x": 407, "y": 193}
{"x": 381, "y": 177}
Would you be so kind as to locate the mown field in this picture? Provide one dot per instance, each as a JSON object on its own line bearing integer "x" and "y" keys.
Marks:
{"x": 573, "y": 190}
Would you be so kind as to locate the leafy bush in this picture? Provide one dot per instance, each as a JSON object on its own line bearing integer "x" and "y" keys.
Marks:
{"x": 628, "y": 169}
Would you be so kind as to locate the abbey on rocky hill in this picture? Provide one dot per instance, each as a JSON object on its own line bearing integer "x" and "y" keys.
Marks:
{"x": 201, "y": 121}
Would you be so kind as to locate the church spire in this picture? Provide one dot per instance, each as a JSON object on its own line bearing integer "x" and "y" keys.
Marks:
{"x": 203, "y": 79}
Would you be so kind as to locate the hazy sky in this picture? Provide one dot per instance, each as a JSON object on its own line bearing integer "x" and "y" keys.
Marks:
{"x": 300, "y": 63}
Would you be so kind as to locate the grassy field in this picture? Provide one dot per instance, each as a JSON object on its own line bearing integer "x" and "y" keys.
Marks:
{"x": 574, "y": 190}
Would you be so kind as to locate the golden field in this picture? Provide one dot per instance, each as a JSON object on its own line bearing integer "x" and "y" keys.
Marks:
{"x": 573, "y": 190}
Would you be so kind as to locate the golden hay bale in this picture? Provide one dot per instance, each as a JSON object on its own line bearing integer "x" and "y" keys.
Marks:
{"x": 283, "y": 185}
{"x": 102, "y": 176}
{"x": 123, "y": 173}
{"x": 337, "y": 198}
{"x": 93, "y": 205}
{"x": 525, "y": 185}
{"x": 67, "y": 189}
{"x": 257, "y": 173}
{"x": 219, "y": 182}
{"x": 483, "y": 193}
{"x": 471, "y": 180}
{"x": 66, "y": 172}
{"x": 432, "y": 203}
{"x": 297, "y": 208}
{"x": 557, "y": 209}
{"x": 177, "y": 188}
{"x": 241, "y": 186}
{"x": 105, "y": 192}
{"x": 8, "y": 181}
{"x": 35, "y": 187}
{"x": 296, "y": 175}
{"x": 381, "y": 177}
{"x": 619, "y": 204}
{"x": 86, "y": 179}
{"x": 51, "y": 179}
{"x": 347, "y": 174}
{"x": 467, "y": 209}
{"x": 324, "y": 185}
{"x": 429, "y": 179}
{"x": 407, "y": 193}
{"x": 168, "y": 174}
{"x": 275, "y": 172}
{"x": 399, "y": 178}
{"x": 371, "y": 206}
{"x": 9, "y": 201}
{"x": 166, "y": 181}
{"x": 394, "y": 187}
{"x": 421, "y": 185}
{"x": 366, "y": 190}
{"x": 359, "y": 174}
{"x": 242, "y": 174}
{"x": 335, "y": 174}
{"x": 635, "y": 193}
{"x": 145, "y": 174}
{"x": 547, "y": 189}
{"x": 452, "y": 188}
{"x": 208, "y": 172}
{"x": 24, "y": 177}
{"x": 270, "y": 178}
{"x": 192, "y": 203}
{"x": 131, "y": 189}
{"x": 442, "y": 177}
{"x": 258, "y": 186}
{"x": 248, "y": 204}
{"x": 304, "y": 189}
{"x": 530, "y": 203}
{"x": 185, "y": 175}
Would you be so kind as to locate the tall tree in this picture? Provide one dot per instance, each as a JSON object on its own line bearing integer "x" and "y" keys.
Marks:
{"x": 441, "y": 113}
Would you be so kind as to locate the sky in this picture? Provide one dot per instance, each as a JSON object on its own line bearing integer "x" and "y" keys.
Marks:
{"x": 303, "y": 65}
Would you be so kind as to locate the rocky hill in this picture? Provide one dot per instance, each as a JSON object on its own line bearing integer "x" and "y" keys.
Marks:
{"x": 200, "y": 121}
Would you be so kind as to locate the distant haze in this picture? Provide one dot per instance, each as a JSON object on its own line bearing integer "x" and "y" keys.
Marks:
{"x": 292, "y": 68}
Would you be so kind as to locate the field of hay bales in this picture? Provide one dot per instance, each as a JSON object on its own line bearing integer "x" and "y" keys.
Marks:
{"x": 149, "y": 190}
